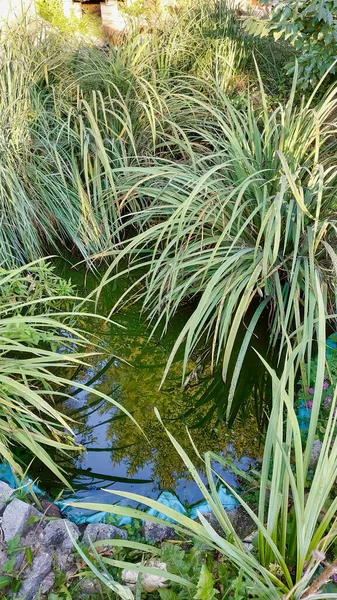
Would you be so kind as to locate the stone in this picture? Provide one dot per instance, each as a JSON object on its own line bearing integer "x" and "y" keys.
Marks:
{"x": 56, "y": 536}
{"x": 64, "y": 560}
{"x": 315, "y": 452}
{"x": 35, "y": 575}
{"x": 150, "y": 583}
{"x": 241, "y": 521}
{"x": 15, "y": 518}
{"x": 49, "y": 509}
{"x": 3, "y": 557}
{"x": 100, "y": 531}
{"x": 33, "y": 538}
{"x": 239, "y": 518}
{"x": 47, "y": 583}
{"x": 89, "y": 588}
{"x": 248, "y": 541}
{"x": 157, "y": 533}
{"x": 5, "y": 492}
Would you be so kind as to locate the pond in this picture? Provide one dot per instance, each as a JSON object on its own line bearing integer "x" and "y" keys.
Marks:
{"x": 119, "y": 455}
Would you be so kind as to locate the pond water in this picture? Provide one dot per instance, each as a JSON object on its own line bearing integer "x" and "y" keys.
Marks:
{"x": 118, "y": 455}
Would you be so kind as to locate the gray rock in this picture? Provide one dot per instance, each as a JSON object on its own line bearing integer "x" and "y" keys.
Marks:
{"x": 89, "y": 588}
{"x": 100, "y": 531}
{"x": 150, "y": 583}
{"x": 248, "y": 541}
{"x": 157, "y": 533}
{"x": 33, "y": 539}
{"x": 56, "y": 536}
{"x": 315, "y": 452}
{"x": 3, "y": 557}
{"x": 5, "y": 493}
{"x": 15, "y": 518}
{"x": 65, "y": 561}
{"x": 47, "y": 583}
{"x": 35, "y": 575}
{"x": 240, "y": 520}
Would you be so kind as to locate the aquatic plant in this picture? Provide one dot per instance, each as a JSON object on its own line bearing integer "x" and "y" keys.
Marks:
{"x": 37, "y": 348}
{"x": 74, "y": 118}
{"x": 295, "y": 517}
{"x": 239, "y": 228}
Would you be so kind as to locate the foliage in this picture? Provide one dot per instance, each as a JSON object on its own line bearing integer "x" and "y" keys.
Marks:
{"x": 52, "y": 12}
{"x": 239, "y": 227}
{"x": 74, "y": 117}
{"x": 295, "y": 520}
{"x": 311, "y": 27}
{"x": 37, "y": 289}
{"x": 37, "y": 347}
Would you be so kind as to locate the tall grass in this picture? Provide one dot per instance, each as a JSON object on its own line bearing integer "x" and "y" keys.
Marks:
{"x": 38, "y": 345}
{"x": 73, "y": 114}
{"x": 242, "y": 223}
{"x": 295, "y": 519}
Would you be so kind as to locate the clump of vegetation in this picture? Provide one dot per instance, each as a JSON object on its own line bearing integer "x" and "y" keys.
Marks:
{"x": 169, "y": 152}
{"x": 310, "y": 26}
{"x": 246, "y": 221}
{"x": 295, "y": 513}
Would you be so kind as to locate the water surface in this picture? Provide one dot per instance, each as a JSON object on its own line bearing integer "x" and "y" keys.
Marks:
{"x": 129, "y": 370}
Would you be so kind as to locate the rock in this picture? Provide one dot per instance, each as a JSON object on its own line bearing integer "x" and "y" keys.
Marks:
{"x": 241, "y": 522}
{"x": 100, "y": 531}
{"x": 56, "y": 536}
{"x": 157, "y": 533}
{"x": 49, "y": 509}
{"x": 64, "y": 560}
{"x": 315, "y": 452}
{"x": 149, "y": 582}
{"x": 35, "y": 575}
{"x": 3, "y": 557}
{"x": 89, "y": 588}
{"x": 249, "y": 539}
{"x": 5, "y": 493}
{"x": 239, "y": 518}
{"x": 34, "y": 538}
{"x": 47, "y": 583}
{"x": 15, "y": 518}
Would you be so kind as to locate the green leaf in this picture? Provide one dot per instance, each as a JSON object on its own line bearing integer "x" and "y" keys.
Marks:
{"x": 205, "y": 585}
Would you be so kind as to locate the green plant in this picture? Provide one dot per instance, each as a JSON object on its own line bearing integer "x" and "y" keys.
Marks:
{"x": 296, "y": 521}
{"x": 52, "y": 12}
{"x": 36, "y": 289}
{"x": 37, "y": 347}
{"x": 311, "y": 27}
{"x": 238, "y": 229}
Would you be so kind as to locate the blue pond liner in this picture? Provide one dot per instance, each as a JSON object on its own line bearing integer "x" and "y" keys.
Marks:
{"x": 81, "y": 516}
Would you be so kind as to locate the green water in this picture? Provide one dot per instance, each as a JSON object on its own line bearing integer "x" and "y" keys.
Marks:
{"x": 129, "y": 370}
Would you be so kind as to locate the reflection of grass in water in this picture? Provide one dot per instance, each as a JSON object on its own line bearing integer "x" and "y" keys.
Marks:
{"x": 136, "y": 387}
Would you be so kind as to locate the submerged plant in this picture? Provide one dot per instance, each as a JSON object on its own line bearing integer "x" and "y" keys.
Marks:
{"x": 295, "y": 519}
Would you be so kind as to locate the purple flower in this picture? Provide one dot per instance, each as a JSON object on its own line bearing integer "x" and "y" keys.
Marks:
{"x": 325, "y": 385}
{"x": 309, "y": 404}
{"x": 311, "y": 390}
{"x": 327, "y": 401}
{"x": 334, "y": 577}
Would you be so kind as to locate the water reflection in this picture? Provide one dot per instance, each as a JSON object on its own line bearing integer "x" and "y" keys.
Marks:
{"x": 118, "y": 453}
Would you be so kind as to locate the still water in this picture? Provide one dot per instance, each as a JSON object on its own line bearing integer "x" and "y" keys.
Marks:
{"x": 129, "y": 370}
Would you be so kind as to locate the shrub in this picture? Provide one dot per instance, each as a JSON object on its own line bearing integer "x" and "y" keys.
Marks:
{"x": 311, "y": 27}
